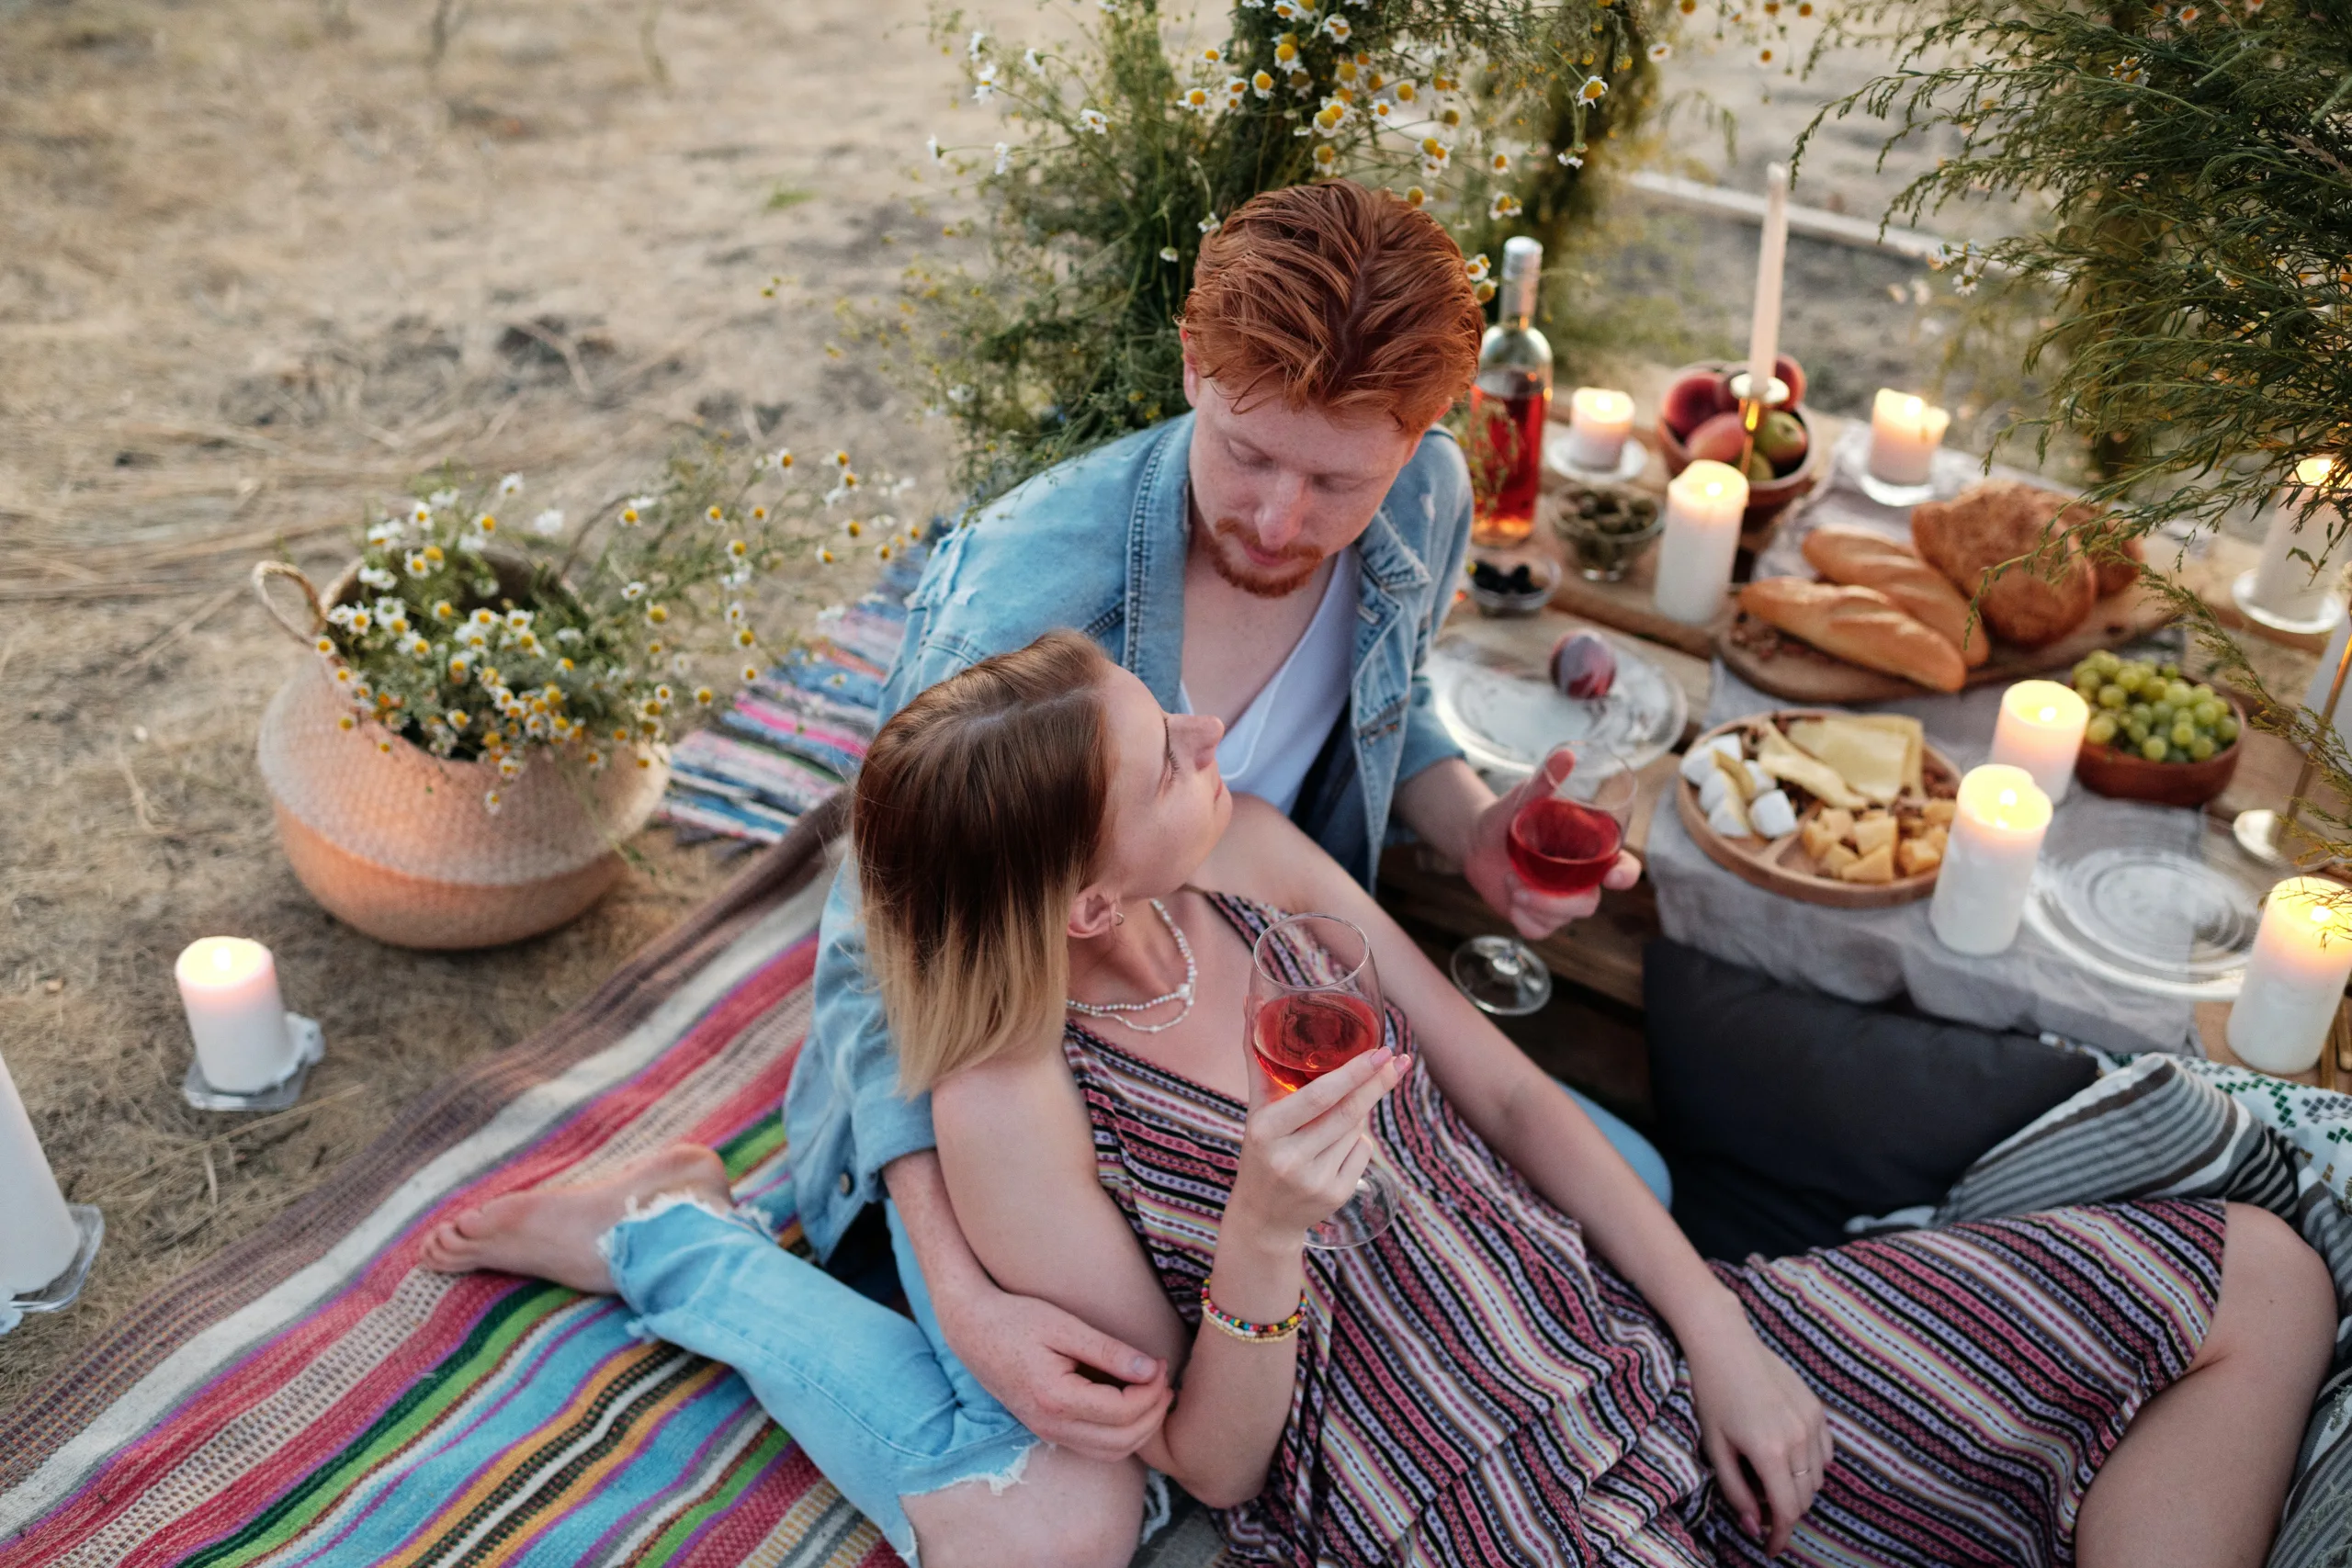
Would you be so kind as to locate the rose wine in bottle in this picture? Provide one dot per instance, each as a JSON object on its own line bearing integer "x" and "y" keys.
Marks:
{"x": 1509, "y": 405}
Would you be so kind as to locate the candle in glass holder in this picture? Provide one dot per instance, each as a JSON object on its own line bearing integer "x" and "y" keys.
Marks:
{"x": 2294, "y": 978}
{"x": 2284, "y": 584}
{"x": 2040, "y": 730}
{"x": 1905, "y": 433}
{"x": 1996, "y": 829}
{"x": 1703, "y": 508}
{"x": 1600, "y": 419}
{"x": 230, "y": 988}
{"x": 38, "y": 1237}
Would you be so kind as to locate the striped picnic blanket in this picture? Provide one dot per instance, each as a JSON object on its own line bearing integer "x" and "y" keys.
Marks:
{"x": 2161, "y": 1126}
{"x": 312, "y": 1397}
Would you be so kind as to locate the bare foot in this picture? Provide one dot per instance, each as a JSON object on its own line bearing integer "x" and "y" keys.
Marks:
{"x": 551, "y": 1232}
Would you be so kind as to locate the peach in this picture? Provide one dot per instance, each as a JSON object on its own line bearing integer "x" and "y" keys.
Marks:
{"x": 1692, "y": 400}
{"x": 1722, "y": 437}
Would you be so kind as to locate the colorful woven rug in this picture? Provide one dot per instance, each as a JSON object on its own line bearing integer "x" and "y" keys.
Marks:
{"x": 312, "y": 1397}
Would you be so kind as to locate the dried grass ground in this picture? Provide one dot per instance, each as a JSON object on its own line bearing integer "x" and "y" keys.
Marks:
{"x": 258, "y": 265}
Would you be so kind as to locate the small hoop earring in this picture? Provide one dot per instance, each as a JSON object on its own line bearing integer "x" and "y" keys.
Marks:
{"x": 1118, "y": 917}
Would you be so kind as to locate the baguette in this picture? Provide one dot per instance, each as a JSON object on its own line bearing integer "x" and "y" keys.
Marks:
{"x": 1860, "y": 559}
{"x": 1861, "y": 626}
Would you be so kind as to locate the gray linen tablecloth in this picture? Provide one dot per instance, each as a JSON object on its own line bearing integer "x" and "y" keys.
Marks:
{"x": 1877, "y": 955}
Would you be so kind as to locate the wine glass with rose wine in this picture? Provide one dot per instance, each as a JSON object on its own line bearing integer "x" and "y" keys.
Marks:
{"x": 1561, "y": 842}
{"x": 1314, "y": 1006}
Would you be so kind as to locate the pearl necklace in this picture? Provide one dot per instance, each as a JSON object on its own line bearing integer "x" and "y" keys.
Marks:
{"x": 1116, "y": 1011}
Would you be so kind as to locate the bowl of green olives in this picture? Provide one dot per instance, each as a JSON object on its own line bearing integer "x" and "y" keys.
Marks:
{"x": 2153, "y": 735}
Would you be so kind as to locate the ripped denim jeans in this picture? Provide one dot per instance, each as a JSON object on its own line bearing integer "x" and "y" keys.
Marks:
{"x": 881, "y": 1404}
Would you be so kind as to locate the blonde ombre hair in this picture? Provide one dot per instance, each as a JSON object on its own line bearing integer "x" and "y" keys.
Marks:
{"x": 978, "y": 814}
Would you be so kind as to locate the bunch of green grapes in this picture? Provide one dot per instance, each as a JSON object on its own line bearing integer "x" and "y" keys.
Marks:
{"x": 2148, "y": 709}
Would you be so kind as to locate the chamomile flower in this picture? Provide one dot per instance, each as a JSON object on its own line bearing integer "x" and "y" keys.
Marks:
{"x": 1435, "y": 154}
{"x": 1660, "y": 53}
{"x": 1327, "y": 156}
{"x": 518, "y": 620}
{"x": 882, "y": 551}
{"x": 745, "y": 637}
{"x": 750, "y": 673}
{"x": 1212, "y": 54}
{"x": 825, "y": 556}
{"x": 509, "y": 766}
{"x": 441, "y": 498}
{"x": 931, "y": 145}
{"x": 419, "y": 648}
{"x": 1766, "y": 55}
{"x": 377, "y": 577}
{"x": 1499, "y": 163}
{"x": 1503, "y": 206}
{"x": 1383, "y": 110}
{"x": 1414, "y": 195}
{"x": 1211, "y": 224}
{"x": 853, "y": 527}
{"x": 492, "y": 801}
{"x": 1478, "y": 267}
{"x": 1333, "y": 115}
{"x": 1167, "y": 253}
{"x": 345, "y": 722}
{"x": 1094, "y": 120}
{"x": 548, "y": 524}
{"x": 361, "y": 620}
{"x": 972, "y": 50}
{"x": 1003, "y": 157}
{"x": 1572, "y": 160}
{"x": 383, "y": 532}
{"x": 633, "y": 591}
{"x": 657, "y": 615}
{"x": 1593, "y": 90}
{"x": 1029, "y": 58}
{"x": 456, "y": 718}
{"x": 984, "y": 80}
{"x": 1287, "y": 51}
{"x": 1263, "y": 83}
{"x": 418, "y": 564}
{"x": 511, "y": 485}
{"x": 705, "y": 696}
{"x": 1198, "y": 100}
{"x": 1337, "y": 28}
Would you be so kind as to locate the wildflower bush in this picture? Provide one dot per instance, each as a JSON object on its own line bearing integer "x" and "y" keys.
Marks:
{"x": 2196, "y": 163}
{"x": 480, "y": 640}
{"x": 1123, "y": 149}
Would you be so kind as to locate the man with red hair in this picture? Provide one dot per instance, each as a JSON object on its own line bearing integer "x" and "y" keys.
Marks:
{"x": 1281, "y": 557}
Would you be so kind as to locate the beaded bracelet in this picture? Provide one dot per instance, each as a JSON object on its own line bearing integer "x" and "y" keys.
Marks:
{"x": 1242, "y": 1328}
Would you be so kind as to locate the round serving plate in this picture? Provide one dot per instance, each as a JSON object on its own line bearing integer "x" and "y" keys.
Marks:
{"x": 1780, "y": 865}
{"x": 2154, "y": 906}
{"x": 1505, "y": 718}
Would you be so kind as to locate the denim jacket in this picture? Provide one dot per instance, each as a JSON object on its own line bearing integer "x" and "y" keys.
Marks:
{"x": 1098, "y": 544}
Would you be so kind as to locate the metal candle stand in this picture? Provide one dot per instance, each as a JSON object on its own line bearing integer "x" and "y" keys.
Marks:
{"x": 62, "y": 1291}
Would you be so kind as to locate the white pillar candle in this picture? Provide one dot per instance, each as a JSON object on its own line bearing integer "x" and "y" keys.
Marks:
{"x": 230, "y": 988}
{"x": 1771, "y": 261}
{"x": 2040, "y": 730}
{"x": 1703, "y": 507}
{"x": 2302, "y": 954}
{"x": 1996, "y": 832}
{"x": 1600, "y": 419}
{"x": 2285, "y": 585}
{"x": 38, "y": 1237}
{"x": 1905, "y": 433}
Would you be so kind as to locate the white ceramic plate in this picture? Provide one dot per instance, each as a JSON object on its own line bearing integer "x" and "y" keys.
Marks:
{"x": 1505, "y": 716}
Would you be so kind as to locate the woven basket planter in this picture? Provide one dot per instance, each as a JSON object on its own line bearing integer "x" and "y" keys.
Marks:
{"x": 398, "y": 844}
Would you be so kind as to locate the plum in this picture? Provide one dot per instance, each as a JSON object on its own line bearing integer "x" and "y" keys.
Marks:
{"x": 1692, "y": 400}
{"x": 1721, "y": 437}
{"x": 1782, "y": 439}
{"x": 1584, "y": 665}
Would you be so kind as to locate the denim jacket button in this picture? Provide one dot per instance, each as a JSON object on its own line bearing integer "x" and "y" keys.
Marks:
{"x": 845, "y": 1184}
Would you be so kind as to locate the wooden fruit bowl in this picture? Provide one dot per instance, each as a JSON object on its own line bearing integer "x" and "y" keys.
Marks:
{"x": 1780, "y": 865}
{"x": 1767, "y": 498}
{"x": 2124, "y": 775}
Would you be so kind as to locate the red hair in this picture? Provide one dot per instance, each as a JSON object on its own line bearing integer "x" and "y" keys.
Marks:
{"x": 1338, "y": 298}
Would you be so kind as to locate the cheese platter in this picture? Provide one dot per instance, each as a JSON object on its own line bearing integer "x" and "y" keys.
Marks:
{"x": 1847, "y": 810}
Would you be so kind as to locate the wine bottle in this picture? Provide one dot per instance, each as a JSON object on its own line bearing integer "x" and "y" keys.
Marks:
{"x": 1508, "y": 406}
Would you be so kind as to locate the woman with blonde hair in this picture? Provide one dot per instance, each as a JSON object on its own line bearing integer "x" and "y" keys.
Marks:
{"x": 1530, "y": 1365}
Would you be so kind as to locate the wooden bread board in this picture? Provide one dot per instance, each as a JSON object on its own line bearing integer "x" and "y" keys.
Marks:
{"x": 1782, "y": 666}
{"x": 1780, "y": 865}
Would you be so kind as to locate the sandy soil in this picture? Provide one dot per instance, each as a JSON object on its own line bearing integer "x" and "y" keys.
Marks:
{"x": 259, "y": 262}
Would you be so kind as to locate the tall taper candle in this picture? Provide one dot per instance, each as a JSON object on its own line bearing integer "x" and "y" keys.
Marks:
{"x": 38, "y": 1237}
{"x": 2294, "y": 977}
{"x": 1764, "y": 326}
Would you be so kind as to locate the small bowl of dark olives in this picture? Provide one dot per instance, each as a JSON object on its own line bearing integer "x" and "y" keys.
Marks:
{"x": 1606, "y": 528}
{"x": 1517, "y": 587}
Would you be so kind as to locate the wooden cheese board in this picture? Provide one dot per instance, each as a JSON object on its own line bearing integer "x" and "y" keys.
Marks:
{"x": 1781, "y": 864}
{"x": 1782, "y": 666}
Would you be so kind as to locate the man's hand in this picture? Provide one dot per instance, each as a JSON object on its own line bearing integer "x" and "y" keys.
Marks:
{"x": 1487, "y": 866}
{"x": 1046, "y": 1367}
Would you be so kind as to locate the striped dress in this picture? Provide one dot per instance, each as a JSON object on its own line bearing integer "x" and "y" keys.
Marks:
{"x": 1475, "y": 1387}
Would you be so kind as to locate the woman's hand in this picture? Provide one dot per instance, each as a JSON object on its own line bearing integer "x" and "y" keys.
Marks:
{"x": 1762, "y": 1428}
{"x": 1302, "y": 1153}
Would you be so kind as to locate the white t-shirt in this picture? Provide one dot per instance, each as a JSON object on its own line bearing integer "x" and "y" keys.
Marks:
{"x": 1268, "y": 749}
